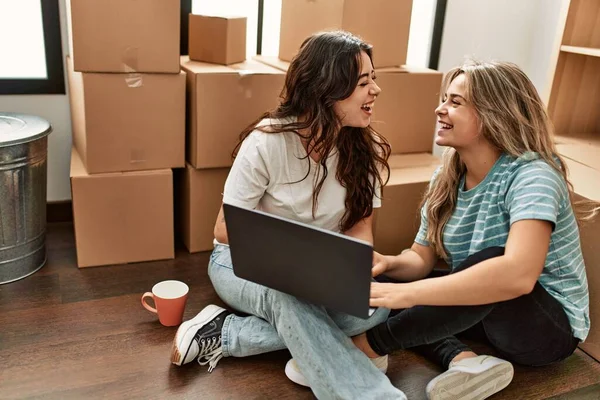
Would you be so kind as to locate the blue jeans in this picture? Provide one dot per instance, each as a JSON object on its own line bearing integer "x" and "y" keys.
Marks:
{"x": 317, "y": 338}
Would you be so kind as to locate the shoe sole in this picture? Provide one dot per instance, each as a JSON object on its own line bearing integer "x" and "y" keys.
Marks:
{"x": 294, "y": 375}
{"x": 381, "y": 363}
{"x": 460, "y": 385}
{"x": 187, "y": 330}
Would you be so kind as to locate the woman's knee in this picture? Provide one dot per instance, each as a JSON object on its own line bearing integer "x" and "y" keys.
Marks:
{"x": 283, "y": 301}
{"x": 277, "y": 304}
{"x": 353, "y": 326}
{"x": 537, "y": 357}
{"x": 536, "y": 351}
{"x": 380, "y": 315}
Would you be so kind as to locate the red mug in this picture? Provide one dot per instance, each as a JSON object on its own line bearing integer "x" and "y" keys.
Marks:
{"x": 169, "y": 300}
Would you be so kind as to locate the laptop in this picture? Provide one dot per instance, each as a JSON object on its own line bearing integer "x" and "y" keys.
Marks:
{"x": 322, "y": 267}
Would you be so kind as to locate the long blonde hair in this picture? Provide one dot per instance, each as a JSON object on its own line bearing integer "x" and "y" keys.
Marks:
{"x": 513, "y": 118}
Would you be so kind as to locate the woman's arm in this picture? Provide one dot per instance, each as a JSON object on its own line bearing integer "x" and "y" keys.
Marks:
{"x": 363, "y": 229}
{"x": 220, "y": 230}
{"x": 248, "y": 177}
{"x": 412, "y": 265}
{"x": 408, "y": 266}
{"x": 497, "y": 279}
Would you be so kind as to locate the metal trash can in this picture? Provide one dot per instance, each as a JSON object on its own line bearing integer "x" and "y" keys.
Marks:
{"x": 23, "y": 154}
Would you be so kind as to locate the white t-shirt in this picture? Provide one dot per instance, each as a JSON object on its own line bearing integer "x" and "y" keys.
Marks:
{"x": 268, "y": 173}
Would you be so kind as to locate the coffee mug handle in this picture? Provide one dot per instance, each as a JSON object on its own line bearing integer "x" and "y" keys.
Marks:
{"x": 146, "y": 306}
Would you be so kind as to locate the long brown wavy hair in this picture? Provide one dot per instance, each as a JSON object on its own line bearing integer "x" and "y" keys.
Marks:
{"x": 325, "y": 71}
{"x": 513, "y": 118}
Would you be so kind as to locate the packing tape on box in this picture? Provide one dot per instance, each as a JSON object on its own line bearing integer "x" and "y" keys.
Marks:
{"x": 133, "y": 79}
{"x": 245, "y": 88}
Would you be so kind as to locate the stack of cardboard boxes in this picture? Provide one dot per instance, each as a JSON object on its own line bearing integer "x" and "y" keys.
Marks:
{"x": 225, "y": 93}
{"x": 403, "y": 113}
{"x": 127, "y": 101}
{"x": 127, "y": 97}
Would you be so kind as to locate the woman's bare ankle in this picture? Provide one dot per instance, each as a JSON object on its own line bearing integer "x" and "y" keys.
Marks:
{"x": 362, "y": 343}
{"x": 462, "y": 355}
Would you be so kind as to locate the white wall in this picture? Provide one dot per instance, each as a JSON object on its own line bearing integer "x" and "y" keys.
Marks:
{"x": 521, "y": 31}
{"x": 490, "y": 29}
{"x": 546, "y": 44}
{"x": 421, "y": 28}
{"x": 54, "y": 108}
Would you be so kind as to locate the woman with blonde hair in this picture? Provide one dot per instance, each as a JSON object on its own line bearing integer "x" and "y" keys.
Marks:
{"x": 500, "y": 211}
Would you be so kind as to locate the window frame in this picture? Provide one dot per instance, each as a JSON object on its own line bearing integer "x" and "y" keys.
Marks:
{"x": 55, "y": 81}
{"x": 437, "y": 34}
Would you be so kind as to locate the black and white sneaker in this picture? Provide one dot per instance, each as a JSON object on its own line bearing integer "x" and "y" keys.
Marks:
{"x": 200, "y": 338}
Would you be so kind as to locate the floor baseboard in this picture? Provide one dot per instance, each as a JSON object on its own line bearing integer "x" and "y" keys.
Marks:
{"x": 59, "y": 211}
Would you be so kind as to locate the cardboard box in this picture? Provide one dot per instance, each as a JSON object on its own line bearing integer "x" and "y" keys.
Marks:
{"x": 398, "y": 219}
{"x": 125, "y": 36}
{"x": 222, "y": 102}
{"x": 121, "y": 217}
{"x": 583, "y": 178}
{"x": 590, "y": 232}
{"x": 405, "y": 111}
{"x": 274, "y": 62}
{"x": 383, "y": 23}
{"x": 220, "y": 40}
{"x": 128, "y": 122}
{"x": 200, "y": 194}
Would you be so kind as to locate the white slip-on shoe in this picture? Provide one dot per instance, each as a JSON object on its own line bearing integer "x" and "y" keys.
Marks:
{"x": 200, "y": 338}
{"x": 295, "y": 375}
{"x": 474, "y": 378}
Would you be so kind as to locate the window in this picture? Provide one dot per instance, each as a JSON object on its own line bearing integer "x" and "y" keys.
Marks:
{"x": 30, "y": 40}
{"x": 423, "y": 44}
{"x": 264, "y": 20}
{"x": 270, "y": 28}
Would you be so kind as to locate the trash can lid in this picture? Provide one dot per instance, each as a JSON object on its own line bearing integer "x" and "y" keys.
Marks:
{"x": 21, "y": 128}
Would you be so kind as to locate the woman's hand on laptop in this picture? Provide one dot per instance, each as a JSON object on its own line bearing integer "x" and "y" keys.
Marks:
{"x": 380, "y": 264}
{"x": 391, "y": 295}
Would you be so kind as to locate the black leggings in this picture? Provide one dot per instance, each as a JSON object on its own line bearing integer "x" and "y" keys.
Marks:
{"x": 530, "y": 330}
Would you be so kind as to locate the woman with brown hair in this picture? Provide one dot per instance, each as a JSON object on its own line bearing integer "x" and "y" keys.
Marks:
{"x": 314, "y": 159}
{"x": 500, "y": 211}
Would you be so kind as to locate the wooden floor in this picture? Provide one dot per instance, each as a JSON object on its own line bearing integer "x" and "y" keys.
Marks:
{"x": 67, "y": 333}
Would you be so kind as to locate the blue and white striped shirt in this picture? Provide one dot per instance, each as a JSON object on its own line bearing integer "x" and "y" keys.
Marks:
{"x": 516, "y": 189}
